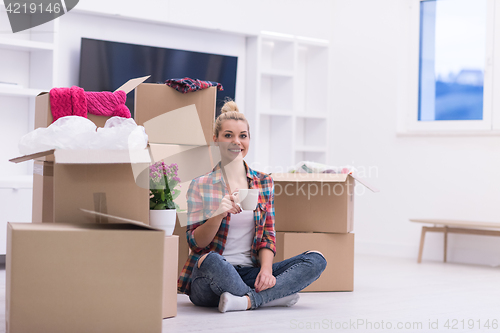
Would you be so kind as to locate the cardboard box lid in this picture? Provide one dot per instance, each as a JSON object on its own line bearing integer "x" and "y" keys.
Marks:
{"x": 89, "y": 156}
{"x": 132, "y": 84}
{"x": 111, "y": 219}
{"x": 126, "y": 87}
{"x": 320, "y": 177}
{"x": 77, "y": 226}
{"x": 170, "y": 126}
{"x": 171, "y": 117}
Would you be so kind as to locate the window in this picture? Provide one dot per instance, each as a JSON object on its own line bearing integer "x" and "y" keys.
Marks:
{"x": 452, "y": 58}
{"x": 450, "y": 86}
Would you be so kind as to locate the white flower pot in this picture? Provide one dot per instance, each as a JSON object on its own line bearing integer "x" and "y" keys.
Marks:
{"x": 163, "y": 219}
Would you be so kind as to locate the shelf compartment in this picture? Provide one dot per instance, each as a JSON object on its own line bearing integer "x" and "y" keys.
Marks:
{"x": 44, "y": 33}
{"x": 277, "y": 55}
{"x": 276, "y": 92}
{"x": 318, "y": 157}
{"x": 311, "y": 132}
{"x": 28, "y": 69}
{"x": 24, "y": 45}
{"x": 15, "y": 113}
{"x": 275, "y": 143}
{"x": 16, "y": 182}
{"x": 278, "y": 73}
{"x": 311, "y": 149}
{"x": 313, "y": 116}
{"x": 271, "y": 112}
{"x": 312, "y": 79}
{"x": 19, "y": 92}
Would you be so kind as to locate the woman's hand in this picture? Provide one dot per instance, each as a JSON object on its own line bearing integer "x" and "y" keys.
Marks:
{"x": 265, "y": 279}
{"x": 228, "y": 205}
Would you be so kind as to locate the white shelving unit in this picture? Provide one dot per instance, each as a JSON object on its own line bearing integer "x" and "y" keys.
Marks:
{"x": 27, "y": 67}
{"x": 287, "y": 100}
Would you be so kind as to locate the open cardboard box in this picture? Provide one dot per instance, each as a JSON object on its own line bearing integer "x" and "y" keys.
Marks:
{"x": 114, "y": 182}
{"x": 338, "y": 250}
{"x": 170, "y": 263}
{"x": 172, "y": 117}
{"x": 169, "y": 117}
{"x": 96, "y": 180}
{"x": 89, "y": 277}
{"x": 313, "y": 202}
{"x": 43, "y": 113}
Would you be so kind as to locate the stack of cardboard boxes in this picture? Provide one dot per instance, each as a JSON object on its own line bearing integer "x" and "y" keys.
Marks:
{"x": 92, "y": 263}
{"x": 315, "y": 212}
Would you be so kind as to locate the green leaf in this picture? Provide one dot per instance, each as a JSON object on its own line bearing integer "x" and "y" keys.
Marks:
{"x": 175, "y": 194}
{"x": 160, "y": 206}
{"x": 170, "y": 205}
{"x": 172, "y": 183}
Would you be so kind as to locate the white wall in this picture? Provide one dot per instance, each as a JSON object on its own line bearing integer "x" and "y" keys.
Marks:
{"x": 454, "y": 177}
{"x": 78, "y": 25}
{"x": 441, "y": 177}
{"x": 310, "y": 18}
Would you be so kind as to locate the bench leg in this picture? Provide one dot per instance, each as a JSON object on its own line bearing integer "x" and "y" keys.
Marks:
{"x": 445, "y": 242}
{"x": 421, "y": 249}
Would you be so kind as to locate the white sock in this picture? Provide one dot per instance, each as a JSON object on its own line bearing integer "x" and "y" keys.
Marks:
{"x": 229, "y": 302}
{"x": 284, "y": 301}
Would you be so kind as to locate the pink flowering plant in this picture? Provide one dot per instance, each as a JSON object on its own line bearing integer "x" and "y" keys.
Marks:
{"x": 162, "y": 182}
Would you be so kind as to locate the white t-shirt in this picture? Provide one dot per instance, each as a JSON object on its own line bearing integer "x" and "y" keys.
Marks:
{"x": 239, "y": 239}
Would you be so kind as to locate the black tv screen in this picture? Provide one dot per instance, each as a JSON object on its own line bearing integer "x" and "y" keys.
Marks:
{"x": 105, "y": 66}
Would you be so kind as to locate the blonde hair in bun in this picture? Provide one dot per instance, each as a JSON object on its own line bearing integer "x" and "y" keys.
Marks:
{"x": 229, "y": 111}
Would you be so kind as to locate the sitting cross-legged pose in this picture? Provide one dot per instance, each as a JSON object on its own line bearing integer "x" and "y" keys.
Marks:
{"x": 232, "y": 250}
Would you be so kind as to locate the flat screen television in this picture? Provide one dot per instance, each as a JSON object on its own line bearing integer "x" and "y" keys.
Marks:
{"x": 106, "y": 65}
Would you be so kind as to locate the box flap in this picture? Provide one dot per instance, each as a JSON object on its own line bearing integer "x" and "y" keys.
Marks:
{"x": 132, "y": 84}
{"x": 172, "y": 117}
{"x": 32, "y": 156}
{"x": 89, "y": 156}
{"x": 117, "y": 219}
{"x": 309, "y": 177}
{"x": 77, "y": 156}
{"x": 170, "y": 126}
{"x": 365, "y": 183}
{"x": 320, "y": 177}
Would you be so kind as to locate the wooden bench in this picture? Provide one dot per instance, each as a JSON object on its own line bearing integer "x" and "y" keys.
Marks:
{"x": 456, "y": 227}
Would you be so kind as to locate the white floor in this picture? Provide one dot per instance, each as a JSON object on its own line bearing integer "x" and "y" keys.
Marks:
{"x": 390, "y": 294}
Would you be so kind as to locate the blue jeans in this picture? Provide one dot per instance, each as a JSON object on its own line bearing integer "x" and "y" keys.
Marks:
{"x": 216, "y": 276}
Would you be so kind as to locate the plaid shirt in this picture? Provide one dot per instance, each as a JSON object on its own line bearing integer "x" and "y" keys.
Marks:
{"x": 204, "y": 196}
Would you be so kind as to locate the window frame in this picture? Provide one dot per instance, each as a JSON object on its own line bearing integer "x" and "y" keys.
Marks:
{"x": 408, "y": 122}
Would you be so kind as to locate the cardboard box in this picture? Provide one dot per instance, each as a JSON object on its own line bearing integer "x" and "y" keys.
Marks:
{"x": 84, "y": 278}
{"x": 43, "y": 113}
{"x": 104, "y": 181}
{"x": 180, "y": 230}
{"x": 175, "y": 118}
{"x": 338, "y": 250}
{"x": 308, "y": 202}
{"x": 170, "y": 276}
{"x": 112, "y": 182}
